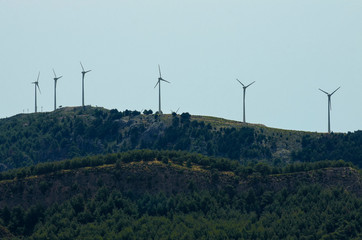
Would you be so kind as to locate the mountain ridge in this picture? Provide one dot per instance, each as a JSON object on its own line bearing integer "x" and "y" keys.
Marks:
{"x": 75, "y": 131}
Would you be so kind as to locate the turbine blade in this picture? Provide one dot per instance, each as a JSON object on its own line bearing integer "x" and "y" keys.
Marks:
{"x": 164, "y": 80}
{"x": 177, "y": 109}
{"x": 88, "y": 71}
{"x": 157, "y": 83}
{"x": 335, "y": 91}
{"x": 38, "y": 88}
{"x": 324, "y": 91}
{"x": 37, "y": 80}
{"x": 250, "y": 84}
{"x": 240, "y": 82}
{"x": 54, "y": 73}
{"x": 82, "y": 66}
{"x": 159, "y": 69}
{"x": 60, "y": 77}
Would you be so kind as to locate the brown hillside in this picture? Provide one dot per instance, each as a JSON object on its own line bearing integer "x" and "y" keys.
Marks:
{"x": 155, "y": 176}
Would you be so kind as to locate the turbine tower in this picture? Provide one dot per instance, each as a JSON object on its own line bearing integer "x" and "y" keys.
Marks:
{"x": 36, "y": 85}
{"x": 329, "y": 107}
{"x": 159, "y": 89}
{"x": 244, "y": 88}
{"x": 55, "y": 89}
{"x": 83, "y": 73}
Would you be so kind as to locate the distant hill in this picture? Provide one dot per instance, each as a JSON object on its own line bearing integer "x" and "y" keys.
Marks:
{"x": 28, "y": 139}
{"x": 169, "y": 172}
{"x": 147, "y": 194}
{"x": 93, "y": 173}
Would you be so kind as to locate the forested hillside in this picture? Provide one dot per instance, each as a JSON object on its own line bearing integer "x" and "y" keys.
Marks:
{"x": 148, "y": 194}
{"x": 28, "y": 139}
{"x": 331, "y": 146}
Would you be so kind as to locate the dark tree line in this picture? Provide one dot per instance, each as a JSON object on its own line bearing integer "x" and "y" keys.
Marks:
{"x": 181, "y": 158}
{"x": 310, "y": 212}
{"x": 332, "y": 147}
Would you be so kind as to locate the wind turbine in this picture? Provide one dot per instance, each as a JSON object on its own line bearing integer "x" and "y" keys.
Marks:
{"x": 36, "y": 85}
{"x": 244, "y": 88}
{"x": 175, "y": 111}
{"x": 329, "y": 107}
{"x": 159, "y": 89}
{"x": 55, "y": 89}
{"x": 83, "y": 73}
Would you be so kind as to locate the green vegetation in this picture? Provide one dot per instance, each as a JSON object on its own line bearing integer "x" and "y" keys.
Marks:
{"x": 176, "y": 157}
{"x": 26, "y": 140}
{"x": 311, "y": 212}
{"x": 92, "y": 173}
{"x": 331, "y": 146}
{"x": 303, "y": 212}
{"x": 29, "y": 139}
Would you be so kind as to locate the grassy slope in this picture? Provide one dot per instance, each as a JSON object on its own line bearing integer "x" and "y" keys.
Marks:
{"x": 285, "y": 141}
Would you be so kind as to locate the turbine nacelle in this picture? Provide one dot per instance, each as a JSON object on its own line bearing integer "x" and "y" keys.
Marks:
{"x": 36, "y": 83}
{"x": 160, "y": 77}
{"x": 83, "y": 71}
{"x": 244, "y": 85}
{"x": 55, "y": 76}
{"x": 159, "y": 80}
{"x": 329, "y": 97}
{"x": 329, "y": 94}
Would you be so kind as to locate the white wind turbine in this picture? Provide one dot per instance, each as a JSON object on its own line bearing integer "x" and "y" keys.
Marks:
{"x": 329, "y": 107}
{"x": 83, "y": 74}
{"x": 159, "y": 89}
{"x": 36, "y": 85}
{"x": 55, "y": 89}
{"x": 244, "y": 91}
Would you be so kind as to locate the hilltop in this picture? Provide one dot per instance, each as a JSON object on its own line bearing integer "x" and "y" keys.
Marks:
{"x": 77, "y": 174}
{"x": 28, "y": 139}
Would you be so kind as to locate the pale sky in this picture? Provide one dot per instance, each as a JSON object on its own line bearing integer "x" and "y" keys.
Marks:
{"x": 289, "y": 47}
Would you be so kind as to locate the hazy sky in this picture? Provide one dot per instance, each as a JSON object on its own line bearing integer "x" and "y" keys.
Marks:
{"x": 290, "y": 48}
